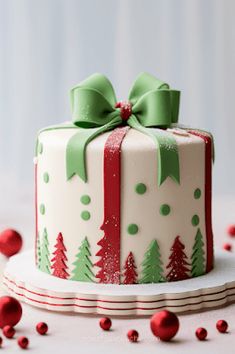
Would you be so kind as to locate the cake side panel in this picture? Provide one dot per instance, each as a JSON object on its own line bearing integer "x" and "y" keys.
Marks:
{"x": 163, "y": 212}
{"x": 70, "y": 207}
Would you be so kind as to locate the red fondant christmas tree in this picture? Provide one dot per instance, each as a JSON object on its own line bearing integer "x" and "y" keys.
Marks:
{"x": 109, "y": 262}
{"x": 178, "y": 262}
{"x": 59, "y": 260}
{"x": 130, "y": 275}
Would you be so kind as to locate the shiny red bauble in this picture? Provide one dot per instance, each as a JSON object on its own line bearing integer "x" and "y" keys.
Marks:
{"x": 10, "y": 311}
{"x": 231, "y": 230}
{"x": 201, "y": 333}
{"x": 105, "y": 323}
{"x": 227, "y": 247}
{"x": 8, "y": 331}
{"x": 222, "y": 326}
{"x": 132, "y": 335}
{"x": 42, "y": 328}
{"x": 10, "y": 242}
{"x": 164, "y": 325}
{"x": 23, "y": 342}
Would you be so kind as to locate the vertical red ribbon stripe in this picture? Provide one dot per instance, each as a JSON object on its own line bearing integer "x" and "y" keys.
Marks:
{"x": 36, "y": 209}
{"x": 208, "y": 193}
{"x": 110, "y": 244}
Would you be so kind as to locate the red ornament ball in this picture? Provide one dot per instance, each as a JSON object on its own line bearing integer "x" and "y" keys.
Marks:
{"x": 42, "y": 328}
{"x": 231, "y": 230}
{"x": 9, "y": 331}
{"x": 222, "y": 326}
{"x": 23, "y": 342}
{"x": 105, "y": 323}
{"x": 10, "y": 242}
{"x": 164, "y": 325}
{"x": 10, "y": 311}
{"x": 227, "y": 247}
{"x": 132, "y": 335}
{"x": 201, "y": 333}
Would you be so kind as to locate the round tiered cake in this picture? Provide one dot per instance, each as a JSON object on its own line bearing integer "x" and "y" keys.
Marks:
{"x": 123, "y": 194}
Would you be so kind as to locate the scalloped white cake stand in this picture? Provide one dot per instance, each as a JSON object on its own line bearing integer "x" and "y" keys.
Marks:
{"x": 24, "y": 281}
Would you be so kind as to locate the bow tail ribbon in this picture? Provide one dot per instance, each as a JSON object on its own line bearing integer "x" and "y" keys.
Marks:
{"x": 76, "y": 148}
{"x": 167, "y": 151}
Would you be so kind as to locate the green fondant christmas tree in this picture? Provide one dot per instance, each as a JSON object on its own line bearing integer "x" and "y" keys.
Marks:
{"x": 152, "y": 271}
{"x": 38, "y": 251}
{"x": 83, "y": 266}
{"x": 44, "y": 262}
{"x": 198, "y": 259}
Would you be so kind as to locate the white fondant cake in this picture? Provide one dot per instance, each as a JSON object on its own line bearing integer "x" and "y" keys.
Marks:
{"x": 165, "y": 231}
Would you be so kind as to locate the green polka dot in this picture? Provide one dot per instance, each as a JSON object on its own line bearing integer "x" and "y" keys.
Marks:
{"x": 140, "y": 188}
{"x": 40, "y": 148}
{"x": 42, "y": 209}
{"x": 197, "y": 193}
{"x": 132, "y": 229}
{"x": 46, "y": 177}
{"x": 85, "y": 215}
{"x": 85, "y": 199}
{"x": 195, "y": 220}
{"x": 165, "y": 209}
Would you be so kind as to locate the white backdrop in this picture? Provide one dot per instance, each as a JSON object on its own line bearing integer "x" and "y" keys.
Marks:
{"x": 47, "y": 46}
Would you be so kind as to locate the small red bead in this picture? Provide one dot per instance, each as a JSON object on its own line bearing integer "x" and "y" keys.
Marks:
{"x": 231, "y": 230}
{"x": 42, "y": 328}
{"x": 23, "y": 342}
{"x": 105, "y": 323}
{"x": 227, "y": 247}
{"x": 222, "y": 326}
{"x": 201, "y": 333}
{"x": 8, "y": 331}
{"x": 132, "y": 335}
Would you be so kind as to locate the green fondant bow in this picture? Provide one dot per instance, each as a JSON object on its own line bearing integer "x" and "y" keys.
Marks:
{"x": 153, "y": 105}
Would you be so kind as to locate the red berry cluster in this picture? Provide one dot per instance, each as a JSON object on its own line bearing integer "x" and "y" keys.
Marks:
{"x": 10, "y": 315}
{"x": 231, "y": 232}
{"x": 106, "y": 323}
{"x": 164, "y": 325}
{"x": 221, "y": 325}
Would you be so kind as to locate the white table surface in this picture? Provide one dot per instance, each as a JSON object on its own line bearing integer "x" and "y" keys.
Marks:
{"x": 75, "y": 333}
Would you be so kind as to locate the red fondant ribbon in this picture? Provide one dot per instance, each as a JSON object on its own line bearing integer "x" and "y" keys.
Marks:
{"x": 110, "y": 244}
{"x": 208, "y": 187}
{"x": 36, "y": 210}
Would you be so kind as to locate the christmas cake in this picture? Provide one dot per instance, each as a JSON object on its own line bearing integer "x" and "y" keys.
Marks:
{"x": 123, "y": 192}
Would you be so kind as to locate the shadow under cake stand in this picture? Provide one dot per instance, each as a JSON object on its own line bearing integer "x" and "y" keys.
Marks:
{"x": 215, "y": 289}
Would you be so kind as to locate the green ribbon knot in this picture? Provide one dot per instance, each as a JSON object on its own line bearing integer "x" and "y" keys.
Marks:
{"x": 154, "y": 107}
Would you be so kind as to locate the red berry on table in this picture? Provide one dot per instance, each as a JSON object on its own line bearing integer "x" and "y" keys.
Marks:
{"x": 132, "y": 335}
{"x": 9, "y": 331}
{"x": 222, "y": 326}
{"x": 105, "y": 323}
{"x": 231, "y": 230}
{"x": 227, "y": 247}
{"x": 10, "y": 242}
{"x": 164, "y": 325}
{"x": 201, "y": 333}
{"x": 10, "y": 311}
{"x": 23, "y": 342}
{"x": 42, "y": 328}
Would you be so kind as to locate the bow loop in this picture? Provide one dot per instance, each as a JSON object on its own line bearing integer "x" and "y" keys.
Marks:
{"x": 92, "y": 102}
{"x": 143, "y": 84}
